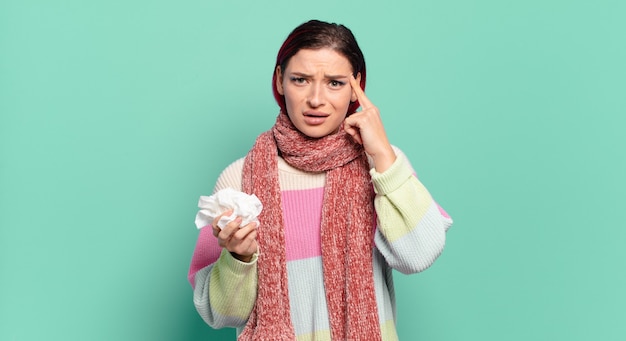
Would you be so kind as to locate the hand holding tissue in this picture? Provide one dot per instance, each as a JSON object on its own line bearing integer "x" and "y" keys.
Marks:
{"x": 246, "y": 206}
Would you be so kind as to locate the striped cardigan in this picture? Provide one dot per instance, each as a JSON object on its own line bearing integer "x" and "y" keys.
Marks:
{"x": 410, "y": 235}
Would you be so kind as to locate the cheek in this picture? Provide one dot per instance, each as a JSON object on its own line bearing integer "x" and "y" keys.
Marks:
{"x": 293, "y": 96}
{"x": 341, "y": 98}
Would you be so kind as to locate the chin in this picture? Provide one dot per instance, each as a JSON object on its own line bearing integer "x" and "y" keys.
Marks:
{"x": 316, "y": 132}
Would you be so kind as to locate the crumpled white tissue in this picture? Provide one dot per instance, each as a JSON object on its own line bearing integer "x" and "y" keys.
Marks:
{"x": 246, "y": 206}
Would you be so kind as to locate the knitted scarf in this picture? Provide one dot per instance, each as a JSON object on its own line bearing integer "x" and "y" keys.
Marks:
{"x": 347, "y": 233}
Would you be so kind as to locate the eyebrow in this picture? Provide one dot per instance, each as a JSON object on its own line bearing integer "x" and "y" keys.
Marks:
{"x": 302, "y": 74}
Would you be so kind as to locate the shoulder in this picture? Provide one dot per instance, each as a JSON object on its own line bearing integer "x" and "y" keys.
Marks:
{"x": 230, "y": 176}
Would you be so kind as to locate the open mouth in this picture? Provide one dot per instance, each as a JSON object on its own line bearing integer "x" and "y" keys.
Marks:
{"x": 315, "y": 114}
{"x": 315, "y": 117}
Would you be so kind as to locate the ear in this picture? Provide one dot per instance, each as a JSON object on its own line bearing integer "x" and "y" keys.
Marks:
{"x": 358, "y": 80}
{"x": 279, "y": 81}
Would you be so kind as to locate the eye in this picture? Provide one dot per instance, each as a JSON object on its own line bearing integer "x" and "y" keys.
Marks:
{"x": 336, "y": 84}
{"x": 298, "y": 80}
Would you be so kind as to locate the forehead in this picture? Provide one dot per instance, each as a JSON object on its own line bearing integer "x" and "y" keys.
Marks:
{"x": 307, "y": 60}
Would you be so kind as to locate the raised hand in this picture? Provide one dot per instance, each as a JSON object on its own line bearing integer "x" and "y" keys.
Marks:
{"x": 366, "y": 127}
{"x": 240, "y": 242}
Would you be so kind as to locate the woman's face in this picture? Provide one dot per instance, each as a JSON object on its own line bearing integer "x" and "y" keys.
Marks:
{"x": 317, "y": 90}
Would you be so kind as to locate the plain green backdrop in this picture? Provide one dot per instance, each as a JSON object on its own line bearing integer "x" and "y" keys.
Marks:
{"x": 115, "y": 116}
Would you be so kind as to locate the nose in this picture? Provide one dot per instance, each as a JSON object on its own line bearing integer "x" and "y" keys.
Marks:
{"x": 316, "y": 95}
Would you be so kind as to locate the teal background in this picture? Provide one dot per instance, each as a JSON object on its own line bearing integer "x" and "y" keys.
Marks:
{"x": 115, "y": 116}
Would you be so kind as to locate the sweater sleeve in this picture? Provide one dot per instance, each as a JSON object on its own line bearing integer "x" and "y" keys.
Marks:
{"x": 411, "y": 230}
{"x": 224, "y": 288}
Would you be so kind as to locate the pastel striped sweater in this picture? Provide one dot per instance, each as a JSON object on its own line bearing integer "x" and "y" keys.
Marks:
{"x": 410, "y": 235}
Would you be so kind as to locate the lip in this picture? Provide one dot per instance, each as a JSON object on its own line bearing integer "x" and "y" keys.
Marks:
{"x": 314, "y": 113}
{"x": 313, "y": 117}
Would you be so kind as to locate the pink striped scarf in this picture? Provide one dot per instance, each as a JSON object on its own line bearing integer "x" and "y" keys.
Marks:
{"x": 347, "y": 233}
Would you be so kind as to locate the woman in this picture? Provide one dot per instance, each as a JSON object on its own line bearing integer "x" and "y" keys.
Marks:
{"x": 342, "y": 208}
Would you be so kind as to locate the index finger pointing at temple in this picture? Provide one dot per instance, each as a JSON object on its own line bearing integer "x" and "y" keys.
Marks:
{"x": 360, "y": 95}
